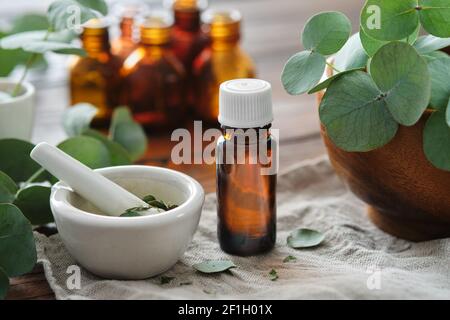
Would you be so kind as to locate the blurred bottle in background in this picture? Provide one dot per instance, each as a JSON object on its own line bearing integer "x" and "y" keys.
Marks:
{"x": 125, "y": 44}
{"x": 153, "y": 79}
{"x": 95, "y": 78}
{"x": 223, "y": 60}
{"x": 188, "y": 38}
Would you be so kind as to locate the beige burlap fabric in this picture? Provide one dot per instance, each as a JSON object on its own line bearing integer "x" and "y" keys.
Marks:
{"x": 356, "y": 261}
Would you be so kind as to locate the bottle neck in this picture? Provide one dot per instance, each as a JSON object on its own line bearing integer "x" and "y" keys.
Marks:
{"x": 96, "y": 44}
{"x": 188, "y": 20}
{"x": 126, "y": 28}
{"x": 246, "y": 134}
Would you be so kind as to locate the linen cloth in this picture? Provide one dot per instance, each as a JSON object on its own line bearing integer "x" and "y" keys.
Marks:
{"x": 356, "y": 260}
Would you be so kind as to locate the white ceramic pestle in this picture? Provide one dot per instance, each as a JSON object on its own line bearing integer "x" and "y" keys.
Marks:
{"x": 110, "y": 198}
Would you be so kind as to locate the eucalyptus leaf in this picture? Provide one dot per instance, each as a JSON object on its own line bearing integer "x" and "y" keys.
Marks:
{"x": 440, "y": 82}
{"x": 304, "y": 238}
{"x": 273, "y": 275}
{"x": 87, "y": 150}
{"x": 403, "y": 77}
{"x": 149, "y": 198}
{"x": 78, "y": 118}
{"x": 130, "y": 214}
{"x": 214, "y": 266}
{"x": 17, "y": 248}
{"x": 157, "y": 204}
{"x": 35, "y": 204}
{"x": 371, "y": 45}
{"x": 435, "y": 17}
{"x": 351, "y": 56}
{"x": 436, "y": 141}
{"x": 303, "y": 72}
{"x": 326, "y": 83}
{"x": 19, "y": 40}
{"x": 354, "y": 115}
{"x": 128, "y": 133}
{"x": 389, "y": 20}
{"x": 15, "y": 159}
{"x": 8, "y": 188}
{"x": 29, "y": 22}
{"x": 61, "y": 12}
{"x": 289, "y": 259}
{"x": 4, "y": 284}
{"x": 433, "y": 56}
{"x": 57, "y": 47}
{"x": 429, "y": 43}
{"x": 119, "y": 156}
{"x": 326, "y": 32}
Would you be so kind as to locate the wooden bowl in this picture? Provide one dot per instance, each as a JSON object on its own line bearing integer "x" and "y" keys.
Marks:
{"x": 407, "y": 196}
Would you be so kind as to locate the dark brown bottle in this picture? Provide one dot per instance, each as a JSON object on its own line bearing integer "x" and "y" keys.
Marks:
{"x": 95, "y": 78}
{"x": 154, "y": 79}
{"x": 188, "y": 38}
{"x": 246, "y": 169}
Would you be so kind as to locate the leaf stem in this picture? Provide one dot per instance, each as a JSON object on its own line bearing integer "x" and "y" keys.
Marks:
{"x": 28, "y": 65}
{"x": 332, "y": 67}
{"x": 34, "y": 176}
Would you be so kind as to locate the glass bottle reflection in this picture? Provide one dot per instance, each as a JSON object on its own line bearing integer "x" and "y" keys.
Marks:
{"x": 223, "y": 60}
{"x": 124, "y": 45}
{"x": 95, "y": 78}
{"x": 154, "y": 79}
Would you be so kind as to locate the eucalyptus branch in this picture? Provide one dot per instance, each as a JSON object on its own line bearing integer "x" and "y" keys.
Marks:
{"x": 28, "y": 66}
{"x": 333, "y": 67}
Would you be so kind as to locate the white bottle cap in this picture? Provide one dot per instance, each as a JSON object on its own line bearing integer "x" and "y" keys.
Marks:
{"x": 245, "y": 103}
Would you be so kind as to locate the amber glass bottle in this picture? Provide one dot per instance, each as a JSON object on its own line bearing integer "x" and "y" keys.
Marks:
{"x": 95, "y": 78}
{"x": 246, "y": 169}
{"x": 188, "y": 38}
{"x": 125, "y": 44}
{"x": 154, "y": 79}
{"x": 223, "y": 60}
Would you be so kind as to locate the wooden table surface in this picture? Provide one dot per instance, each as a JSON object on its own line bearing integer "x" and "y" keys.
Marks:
{"x": 271, "y": 35}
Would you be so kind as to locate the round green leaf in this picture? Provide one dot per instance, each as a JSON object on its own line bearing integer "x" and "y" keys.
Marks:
{"x": 302, "y": 72}
{"x": 427, "y": 44}
{"x": 57, "y": 47}
{"x": 440, "y": 82}
{"x": 435, "y": 17}
{"x": 87, "y": 150}
{"x": 128, "y": 133}
{"x": 371, "y": 45}
{"x": 78, "y": 118}
{"x": 351, "y": 56}
{"x": 4, "y": 284}
{"x": 60, "y": 12}
{"x": 15, "y": 159}
{"x": 304, "y": 238}
{"x": 354, "y": 114}
{"x": 19, "y": 40}
{"x": 433, "y": 56}
{"x": 34, "y": 202}
{"x": 8, "y": 188}
{"x": 326, "y": 32}
{"x": 403, "y": 76}
{"x": 29, "y": 22}
{"x": 118, "y": 155}
{"x": 436, "y": 141}
{"x": 17, "y": 248}
{"x": 389, "y": 20}
{"x": 214, "y": 266}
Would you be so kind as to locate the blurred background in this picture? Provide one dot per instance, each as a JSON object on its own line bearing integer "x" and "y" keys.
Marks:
{"x": 270, "y": 35}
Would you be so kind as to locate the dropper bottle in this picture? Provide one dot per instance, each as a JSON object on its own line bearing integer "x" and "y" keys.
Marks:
{"x": 246, "y": 157}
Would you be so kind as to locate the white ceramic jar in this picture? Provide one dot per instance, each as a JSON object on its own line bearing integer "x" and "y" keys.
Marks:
{"x": 17, "y": 114}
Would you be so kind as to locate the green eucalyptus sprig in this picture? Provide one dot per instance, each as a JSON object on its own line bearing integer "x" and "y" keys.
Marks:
{"x": 25, "y": 186}
{"x": 382, "y": 78}
{"x": 59, "y": 34}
